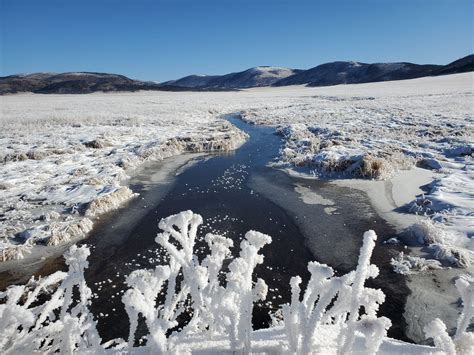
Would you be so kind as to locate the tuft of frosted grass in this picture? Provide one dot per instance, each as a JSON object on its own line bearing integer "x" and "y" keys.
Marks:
{"x": 445, "y": 244}
{"x": 408, "y": 264}
{"x": 333, "y": 315}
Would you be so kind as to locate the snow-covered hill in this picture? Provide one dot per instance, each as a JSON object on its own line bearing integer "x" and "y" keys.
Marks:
{"x": 334, "y": 73}
{"x": 253, "y": 77}
{"x": 71, "y": 83}
{"x": 355, "y": 72}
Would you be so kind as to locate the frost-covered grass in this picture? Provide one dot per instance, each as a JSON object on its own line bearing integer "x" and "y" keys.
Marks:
{"x": 64, "y": 159}
{"x": 332, "y": 315}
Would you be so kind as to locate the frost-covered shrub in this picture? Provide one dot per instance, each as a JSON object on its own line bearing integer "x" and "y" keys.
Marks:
{"x": 216, "y": 310}
{"x": 444, "y": 243}
{"x": 421, "y": 205}
{"x": 334, "y": 314}
{"x": 62, "y": 324}
{"x": 335, "y": 301}
{"x": 407, "y": 264}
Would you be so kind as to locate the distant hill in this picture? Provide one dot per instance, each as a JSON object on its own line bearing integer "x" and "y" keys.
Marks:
{"x": 355, "y": 72}
{"x": 322, "y": 75}
{"x": 253, "y": 77}
{"x": 334, "y": 73}
{"x": 71, "y": 83}
{"x": 462, "y": 65}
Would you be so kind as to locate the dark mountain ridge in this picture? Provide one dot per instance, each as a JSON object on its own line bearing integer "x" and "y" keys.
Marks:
{"x": 334, "y": 73}
{"x": 354, "y": 73}
{"x": 71, "y": 83}
{"x": 253, "y": 77}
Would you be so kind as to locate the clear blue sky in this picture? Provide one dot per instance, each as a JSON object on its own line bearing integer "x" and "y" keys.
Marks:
{"x": 161, "y": 40}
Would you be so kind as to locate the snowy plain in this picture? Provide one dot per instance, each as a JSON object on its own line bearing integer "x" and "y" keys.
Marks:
{"x": 65, "y": 159}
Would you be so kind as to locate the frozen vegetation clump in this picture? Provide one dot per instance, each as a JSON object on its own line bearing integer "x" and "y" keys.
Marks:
{"x": 445, "y": 244}
{"x": 331, "y": 153}
{"x": 408, "y": 264}
{"x": 332, "y": 315}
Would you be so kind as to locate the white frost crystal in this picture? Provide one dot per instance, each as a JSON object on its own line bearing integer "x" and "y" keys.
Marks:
{"x": 325, "y": 318}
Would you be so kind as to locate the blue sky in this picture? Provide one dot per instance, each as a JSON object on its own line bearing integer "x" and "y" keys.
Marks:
{"x": 162, "y": 40}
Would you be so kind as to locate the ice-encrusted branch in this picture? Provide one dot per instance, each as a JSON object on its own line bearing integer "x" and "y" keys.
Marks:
{"x": 324, "y": 317}
{"x": 437, "y": 330}
{"x": 62, "y": 324}
{"x": 335, "y": 301}
{"x": 465, "y": 286}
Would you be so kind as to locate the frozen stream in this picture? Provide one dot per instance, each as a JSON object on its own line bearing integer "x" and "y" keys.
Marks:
{"x": 307, "y": 219}
{"x": 235, "y": 193}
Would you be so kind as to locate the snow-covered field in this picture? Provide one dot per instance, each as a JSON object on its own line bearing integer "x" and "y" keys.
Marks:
{"x": 65, "y": 159}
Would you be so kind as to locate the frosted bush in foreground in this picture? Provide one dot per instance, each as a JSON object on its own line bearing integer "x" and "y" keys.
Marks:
{"x": 215, "y": 309}
{"x": 63, "y": 323}
{"x": 324, "y": 318}
{"x": 335, "y": 302}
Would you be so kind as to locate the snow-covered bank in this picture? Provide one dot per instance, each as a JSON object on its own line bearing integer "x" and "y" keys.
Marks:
{"x": 332, "y": 315}
{"x": 64, "y": 160}
{"x": 431, "y": 281}
{"x": 377, "y": 130}
{"x": 418, "y": 138}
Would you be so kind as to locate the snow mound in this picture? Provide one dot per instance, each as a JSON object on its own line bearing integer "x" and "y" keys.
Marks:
{"x": 445, "y": 244}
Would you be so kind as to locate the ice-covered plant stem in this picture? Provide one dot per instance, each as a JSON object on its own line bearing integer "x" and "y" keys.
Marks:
{"x": 323, "y": 318}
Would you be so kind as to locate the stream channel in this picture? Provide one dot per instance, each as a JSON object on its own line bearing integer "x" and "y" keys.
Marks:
{"x": 235, "y": 192}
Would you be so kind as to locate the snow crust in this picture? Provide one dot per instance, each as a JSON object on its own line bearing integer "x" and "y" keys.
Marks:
{"x": 332, "y": 315}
